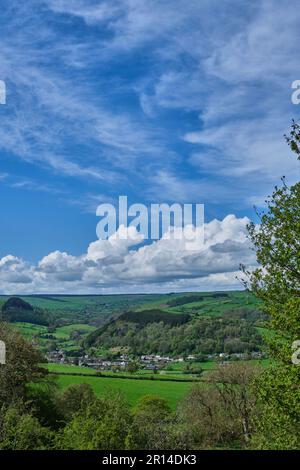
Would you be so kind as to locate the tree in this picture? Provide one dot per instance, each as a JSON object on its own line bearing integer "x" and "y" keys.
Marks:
{"x": 43, "y": 401}
{"x": 150, "y": 427}
{"x": 21, "y": 368}
{"x": 19, "y": 430}
{"x": 132, "y": 367}
{"x": 102, "y": 425}
{"x": 277, "y": 283}
{"x": 76, "y": 398}
{"x": 221, "y": 412}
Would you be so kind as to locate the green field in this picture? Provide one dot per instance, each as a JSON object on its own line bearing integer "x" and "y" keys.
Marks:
{"x": 94, "y": 309}
{"x": 209, "y": 305}
{"x": 62, "y": 336}
{"x": 69, "y": 369}
{"x": 133, "y": 388}
{"x": 173, "y": 392}
{"x": 29, "y": 330}
{"x": 163, "y": 374}
{"x": 91, "y": 309}
{"x": 78, "y": 316}
{"x": 177, "y": 367}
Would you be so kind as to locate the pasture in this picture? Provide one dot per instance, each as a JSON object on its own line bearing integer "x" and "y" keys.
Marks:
{"x": 173, "y": 392}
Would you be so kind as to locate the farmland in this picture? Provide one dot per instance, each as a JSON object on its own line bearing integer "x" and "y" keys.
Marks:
{"x": 173, "y": 392}
{"x": 93, "y": 309}
{"x": 72, "y": 319}
{"x": 134, "y": 388}
{"x": 87, "y": 309}
{"x": 86, "y": 326}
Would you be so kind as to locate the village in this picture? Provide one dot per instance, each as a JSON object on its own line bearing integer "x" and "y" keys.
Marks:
{"x": 149, "y": 362}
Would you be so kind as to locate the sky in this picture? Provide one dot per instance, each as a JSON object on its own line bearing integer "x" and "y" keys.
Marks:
{"x": 165, "y": 101}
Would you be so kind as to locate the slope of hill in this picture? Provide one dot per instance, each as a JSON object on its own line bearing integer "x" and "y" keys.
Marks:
{"x": 15, "y": 303}
{"x": 164, "y": 333}
{"x": 16, "y": 309}
{"x": 173, "y": 324}
{"x": 94, "y": 310}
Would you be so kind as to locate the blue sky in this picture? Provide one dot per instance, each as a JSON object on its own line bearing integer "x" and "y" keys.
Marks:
{"x": 162, "y": 100}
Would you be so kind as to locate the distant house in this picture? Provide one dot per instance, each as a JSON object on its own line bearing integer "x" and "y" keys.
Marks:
{"x": 151, "y": 366}
{"x": 57, "y": 356}
{"x": 191, "y": 357}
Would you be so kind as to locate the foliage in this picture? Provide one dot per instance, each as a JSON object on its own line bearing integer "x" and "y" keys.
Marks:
{"x": 276, "y": 282}
{"x": 154, "y": 316}
{"x": 16, "y": 309}
{"x": 16, "y": 303}
{"x": 43, "y": 400}
{"x": 184, "y": 300}
{"x": 20, "y": 430}
{"x": 102, "y": 425}
{"x": 221, "y": 413}
{"x": 22, "y": 365}
{"x": 76, "y": 397}
{"x": 151, "y": 422}
{"x": 199, "y": 336}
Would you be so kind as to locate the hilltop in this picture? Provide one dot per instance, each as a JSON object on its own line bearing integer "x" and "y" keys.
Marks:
{"x": 16, "y": 309}
{"x": 184, "y": 324}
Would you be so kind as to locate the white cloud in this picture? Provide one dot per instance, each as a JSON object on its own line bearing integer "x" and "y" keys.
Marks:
{"x": 235, "y": 71}
{"x": 14, "y": 271}
{"x": 129, "y": 265}
{"x": 48, "y": 107}
{"x": 82, "y": 9}
{"x": 225, "y": 67}
{"x": 246, "y": 114}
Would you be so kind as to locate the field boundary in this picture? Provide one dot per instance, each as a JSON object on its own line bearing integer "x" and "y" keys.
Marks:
{"x": 126, "y": 377}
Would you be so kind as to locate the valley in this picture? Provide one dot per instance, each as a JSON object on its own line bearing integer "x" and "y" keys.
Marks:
{"x": 139, "y": 344}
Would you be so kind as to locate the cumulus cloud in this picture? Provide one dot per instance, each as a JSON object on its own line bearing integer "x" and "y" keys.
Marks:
{"x": 188, "y": 100}
{"x": 14, "y": 271}
{"x": 116, "y": 265}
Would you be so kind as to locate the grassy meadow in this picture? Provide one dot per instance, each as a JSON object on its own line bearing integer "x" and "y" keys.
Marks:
{"x": 173, "y": 392}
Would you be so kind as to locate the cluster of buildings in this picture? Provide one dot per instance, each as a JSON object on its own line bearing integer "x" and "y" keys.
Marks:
{"x": 103, "y": 364}
{"x": 59, "y": 357}
{"x": 238, "y": 356}
{"x": 150, "y": 361}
